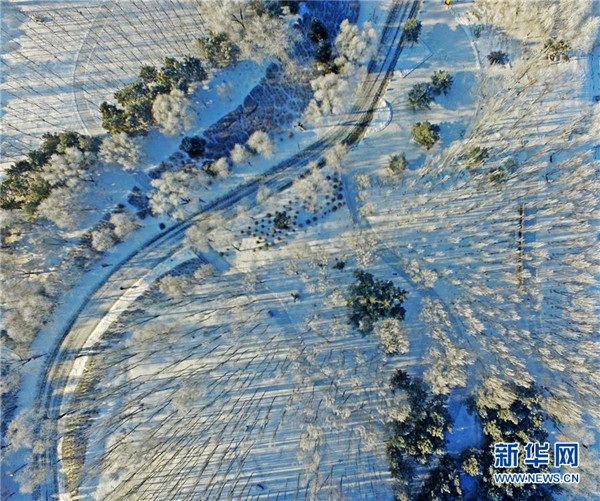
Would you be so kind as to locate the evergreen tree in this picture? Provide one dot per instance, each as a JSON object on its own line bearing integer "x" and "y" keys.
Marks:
{"x": 324, "y": 51}
{"x": 426, "y": 134}
{"x": 371, "y": 300}
{"x": 217, "y": 49}
{"x": 441, "y": 82}
{"x": 397, "y": 163}
{"x": 497, "y": 57}
{"x": 317, "y": 31}
{"x": 442, "y": 483}
{"x": 412, "y": 30}
{"x": 418, "y": 97}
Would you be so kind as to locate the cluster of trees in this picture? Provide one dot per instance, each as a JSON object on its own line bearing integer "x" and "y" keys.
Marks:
{"x": 512, "y": 414}
{"x": 217, "y": 49}
{"x": 576, "y": 21}
{"x": 417, "y": 434}
{"x": 60, "y": 160}
{"x": 371, "y": 300}
{"x": 420, "y": 97}
{"x": 136, "y": 109}
{"x": 339, "y": 63}
{"x": 118, "y": 226}
{"x": 245, "y": 30}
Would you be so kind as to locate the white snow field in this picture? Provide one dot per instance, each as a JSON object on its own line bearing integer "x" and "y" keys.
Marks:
{"x": 212, "y": 357}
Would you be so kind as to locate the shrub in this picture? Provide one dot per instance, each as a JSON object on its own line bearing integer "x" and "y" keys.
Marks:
{"x": 557, "y": 50}
{"x": 441, "y": 82}
{"x": 426, "y": 134}
{"x": 478, "y": 155}
{"x": 419, "y": 97}
{"x": 194, "y": 146}
{"x": 370, "y": 300}
{"x": 282, "y": 221}
{"x": 412, "y": 29}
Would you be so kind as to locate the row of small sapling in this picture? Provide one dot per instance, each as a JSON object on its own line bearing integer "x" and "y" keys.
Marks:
{"x": 298, "y": 213}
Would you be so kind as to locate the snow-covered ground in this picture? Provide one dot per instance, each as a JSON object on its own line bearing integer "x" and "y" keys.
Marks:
{"x": 226, "y": 368}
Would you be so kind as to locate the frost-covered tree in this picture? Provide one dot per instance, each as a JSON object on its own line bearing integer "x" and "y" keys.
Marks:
{"x": 123, "y": 223}
{"x": 239, "y": 154}
{"x": 122, "y": 149}
{"x": 261, "y": 143}
{"x": 25, "y": 311}
{"x": 335, "y": 155}
{"x": 63, "y": 207}
{"x": 574, "y": 21}
{"x": 173, "y": 112}
{"x": 219, "y": 168}
{"x": 103, "y": 238}
{"x": 356, "y": 45}
{"x": 391, "y": 336}
{"x": 69, "y": 168}
{"x": 257, "y": 28}
{"x": 177, "y": 193}
{"x": 263, "y": 193}
{"x": 330, "y": 96}
{"x": 119, "y": 225}
{"x": 175, "y": 286}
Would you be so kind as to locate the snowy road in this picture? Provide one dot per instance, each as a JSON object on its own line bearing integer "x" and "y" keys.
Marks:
{"x": 134, "y": 268}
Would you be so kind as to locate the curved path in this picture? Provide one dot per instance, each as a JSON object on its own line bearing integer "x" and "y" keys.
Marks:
{"x": 134, "y": 267}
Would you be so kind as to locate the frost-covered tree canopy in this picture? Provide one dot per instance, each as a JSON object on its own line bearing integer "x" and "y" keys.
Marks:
{"x": 173, "y": 112}
{"x": 261, "y": 143}
{"x": 122, "y": 149}
{"x": 257, "y": 29}
{"x": 356, "y": 45}
{"x": 177, "y": 193}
